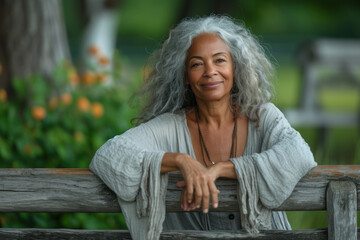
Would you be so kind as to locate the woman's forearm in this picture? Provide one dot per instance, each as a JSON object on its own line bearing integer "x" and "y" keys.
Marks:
{"x": 225, "y": 170}
{"x": 171, "y": 162}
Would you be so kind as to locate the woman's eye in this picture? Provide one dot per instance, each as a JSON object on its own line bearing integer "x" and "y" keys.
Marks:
{"x": 220, "y": 60}
{"x": 195, "y": 65}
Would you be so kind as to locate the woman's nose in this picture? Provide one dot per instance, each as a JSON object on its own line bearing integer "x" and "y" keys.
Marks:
{"x": 210, "y": 70}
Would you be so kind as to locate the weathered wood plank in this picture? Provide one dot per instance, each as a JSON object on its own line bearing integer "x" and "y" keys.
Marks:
{"x": 54, "y": 190}
{"x": 63, "y": 234}
{"x": 341, "y": 210}
{"x": 79, "y": 190}
{"x": 310, "y": 192}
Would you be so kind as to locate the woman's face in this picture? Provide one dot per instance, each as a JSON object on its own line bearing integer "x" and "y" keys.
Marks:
{"x": 209, "y": 68}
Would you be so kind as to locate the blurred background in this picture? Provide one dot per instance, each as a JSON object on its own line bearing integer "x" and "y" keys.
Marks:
{"x": 69, "y": 68}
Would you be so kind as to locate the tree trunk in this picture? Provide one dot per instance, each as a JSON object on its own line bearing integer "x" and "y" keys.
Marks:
{"x": 100, "y": 32}
{"x": 32, "y": 39}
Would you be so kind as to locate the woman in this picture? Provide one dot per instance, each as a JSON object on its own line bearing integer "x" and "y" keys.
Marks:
{"x": 207, "y": 116}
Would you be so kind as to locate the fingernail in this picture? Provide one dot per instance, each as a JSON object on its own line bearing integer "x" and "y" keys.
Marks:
{"x": 197, "y": 206}
{"x": 215, "y": 205}
{"x": 189, "y": 201}
{"x": 206, "y": 211}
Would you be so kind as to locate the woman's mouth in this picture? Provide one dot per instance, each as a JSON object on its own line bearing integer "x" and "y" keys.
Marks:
{"x": 211, "y": 84}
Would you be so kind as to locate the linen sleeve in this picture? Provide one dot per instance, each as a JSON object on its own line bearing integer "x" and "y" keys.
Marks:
{"x": 123, "y": 162}
{"x": 130, "y": 164}
{"x": 283, "y": 160}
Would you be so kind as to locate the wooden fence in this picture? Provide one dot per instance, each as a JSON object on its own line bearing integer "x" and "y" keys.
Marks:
{"x": 332, "y": 188}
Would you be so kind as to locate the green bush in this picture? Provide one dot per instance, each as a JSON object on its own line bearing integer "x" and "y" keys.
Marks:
{"x": 60, "y": 123}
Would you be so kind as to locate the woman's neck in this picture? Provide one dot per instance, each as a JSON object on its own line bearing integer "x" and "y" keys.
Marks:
{"x": 215, "y": 114}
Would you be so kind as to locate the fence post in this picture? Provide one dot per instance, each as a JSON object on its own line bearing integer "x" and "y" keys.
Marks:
{"x": 341, "y": 204}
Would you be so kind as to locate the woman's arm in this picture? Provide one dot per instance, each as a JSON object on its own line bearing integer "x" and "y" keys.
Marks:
{"x": 278, "y": 158}
{"x": 283, "y": 159}
{"x": 224, "y": 170}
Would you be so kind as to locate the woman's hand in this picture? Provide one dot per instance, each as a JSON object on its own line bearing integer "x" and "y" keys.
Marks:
{"x": 199, "y": 185}
{"x": 199, "y": 181}
{"x": 186, "y": 206}
{"x": 221, "y": 169}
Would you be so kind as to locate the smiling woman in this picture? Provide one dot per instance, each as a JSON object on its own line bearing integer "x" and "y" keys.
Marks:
{"x": 209, "y": 69}
{"x": 207, "y": 115}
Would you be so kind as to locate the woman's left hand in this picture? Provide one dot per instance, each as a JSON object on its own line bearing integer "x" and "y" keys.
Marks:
{"x": 208, "y": 186}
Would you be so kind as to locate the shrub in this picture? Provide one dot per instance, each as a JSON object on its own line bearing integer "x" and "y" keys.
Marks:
{"x": 60, "y": 123}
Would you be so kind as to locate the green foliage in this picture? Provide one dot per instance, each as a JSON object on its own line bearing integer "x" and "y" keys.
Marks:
{"x": 60, "y": 123}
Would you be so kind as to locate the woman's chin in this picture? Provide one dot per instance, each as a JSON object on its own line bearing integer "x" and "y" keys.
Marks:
{"x": 214, "y": 98}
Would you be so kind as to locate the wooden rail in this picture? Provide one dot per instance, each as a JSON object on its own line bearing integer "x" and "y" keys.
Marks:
{"x": 332, "y": 188}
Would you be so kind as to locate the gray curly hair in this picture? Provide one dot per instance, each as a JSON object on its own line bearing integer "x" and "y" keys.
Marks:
{"x": 164, "y": 90}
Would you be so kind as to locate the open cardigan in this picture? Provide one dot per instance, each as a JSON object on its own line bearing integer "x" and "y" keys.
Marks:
{"x": 276, "y": 157}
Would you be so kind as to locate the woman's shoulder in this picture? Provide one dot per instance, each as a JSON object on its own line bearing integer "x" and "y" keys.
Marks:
{"x": 167, "y": 119}
{"x": 161, "y": 126}
{"x": 270, "y": 114}
{"x": 269, "y": 109}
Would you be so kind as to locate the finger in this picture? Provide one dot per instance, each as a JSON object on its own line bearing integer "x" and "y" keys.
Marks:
{"x": 198, "y": 194}
{"x": 186, "y": 205}
{"x": 206, "y": 199}
{"x": 189, "y": 191}
{"x": 214, "y": 192}
{"x": 181, "y": 184}
{"x": 182, "y": 200}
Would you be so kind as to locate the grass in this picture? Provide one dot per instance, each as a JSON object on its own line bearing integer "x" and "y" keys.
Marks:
{"x": 340, "y": 99}
{"x": 287, "y": 87}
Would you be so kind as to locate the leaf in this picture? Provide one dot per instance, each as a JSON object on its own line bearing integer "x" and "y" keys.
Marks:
{"x": 20, "y": 86}
{"x": 5, "y": 150}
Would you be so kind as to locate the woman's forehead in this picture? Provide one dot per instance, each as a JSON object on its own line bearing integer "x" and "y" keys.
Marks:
{"x": 207, "y": 43}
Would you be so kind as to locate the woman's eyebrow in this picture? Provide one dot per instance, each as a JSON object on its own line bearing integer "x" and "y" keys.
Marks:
{"x": 214, "y": 55}
{"x": 198, "y": 57}
{"x": 220, "y": 53}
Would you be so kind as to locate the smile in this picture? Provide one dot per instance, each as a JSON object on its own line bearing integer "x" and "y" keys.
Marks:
{"x": 211, "y": 84}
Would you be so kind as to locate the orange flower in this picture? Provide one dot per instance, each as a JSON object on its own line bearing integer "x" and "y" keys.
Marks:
{"x": 73, "y": 78}
{"x": 38, "y": 112}
{"x": 97, "y": 110}
{"x": 88, "y": 78}
{"x": 3, "y": 95}
{"x": 103, "y": 60}
{"x": 27, "y": 149}
{"x": 66, "y": 98}
{"x": 53, "y": 103}
{"x": 93, "y": 50}
{"x": 101, "y": 77}
{"x": 83, "y": 104}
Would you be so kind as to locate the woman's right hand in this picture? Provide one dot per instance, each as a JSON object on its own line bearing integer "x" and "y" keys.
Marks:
{"x": 199, "y": 184}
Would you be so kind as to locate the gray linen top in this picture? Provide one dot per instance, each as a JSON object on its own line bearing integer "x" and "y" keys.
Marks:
{"x": 275, "y": 159}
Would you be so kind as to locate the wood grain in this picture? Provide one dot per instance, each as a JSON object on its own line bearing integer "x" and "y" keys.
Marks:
{"x": 341, "y": 210}
{"x": 63, "y": 234}
{"x": 79, "y": 190}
